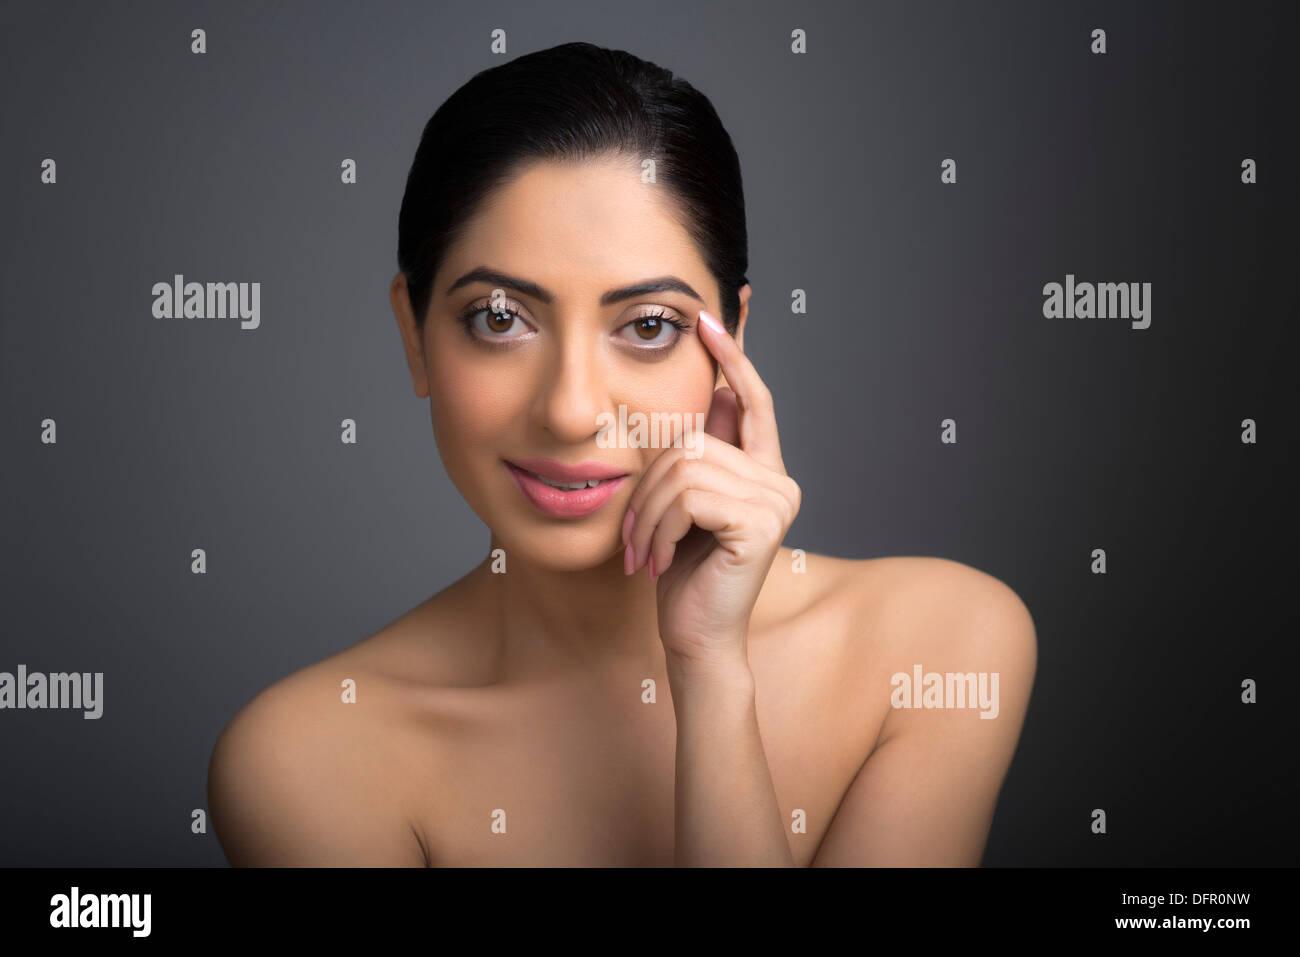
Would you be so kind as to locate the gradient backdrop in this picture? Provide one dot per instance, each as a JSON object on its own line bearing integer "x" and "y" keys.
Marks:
{"x": 925, "y": 303}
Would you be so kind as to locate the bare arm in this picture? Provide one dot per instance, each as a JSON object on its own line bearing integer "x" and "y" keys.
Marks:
{"x": 727, "y": 813}
{"x": 292, "y": 783}
{"x": 926, "y": 794}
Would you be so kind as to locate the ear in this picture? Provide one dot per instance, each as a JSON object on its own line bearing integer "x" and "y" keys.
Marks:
{"x": 412, "y": 339}
{"x": 744, "y": 293}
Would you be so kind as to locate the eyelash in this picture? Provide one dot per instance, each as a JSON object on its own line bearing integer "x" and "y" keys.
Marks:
{"x": 466, "y": 320}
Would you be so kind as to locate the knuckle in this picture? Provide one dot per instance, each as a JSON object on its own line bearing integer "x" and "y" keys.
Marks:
{"x": 772, "y": 525}
{"x": 794, "y": 494}
{"x": 684, "y": 469}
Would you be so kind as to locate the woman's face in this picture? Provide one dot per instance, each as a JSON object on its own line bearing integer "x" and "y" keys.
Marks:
{"x": 538, "y": 376}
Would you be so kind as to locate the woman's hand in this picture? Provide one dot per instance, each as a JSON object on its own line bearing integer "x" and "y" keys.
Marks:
{"x": 708, "y": 527}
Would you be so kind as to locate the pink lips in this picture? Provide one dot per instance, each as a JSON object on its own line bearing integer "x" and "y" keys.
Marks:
{"x": 561, "y": 503}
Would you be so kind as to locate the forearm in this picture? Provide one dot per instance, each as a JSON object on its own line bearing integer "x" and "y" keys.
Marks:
{"x": 727, "y": 813}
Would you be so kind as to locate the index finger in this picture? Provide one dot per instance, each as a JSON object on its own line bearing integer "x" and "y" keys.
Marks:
{"x": 758, "y": 435}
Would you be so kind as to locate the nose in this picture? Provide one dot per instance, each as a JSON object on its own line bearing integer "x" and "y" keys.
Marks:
{"x": 573, "y": 390}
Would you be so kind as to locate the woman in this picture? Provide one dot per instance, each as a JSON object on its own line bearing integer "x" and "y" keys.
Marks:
{"x": 638, "y": 672}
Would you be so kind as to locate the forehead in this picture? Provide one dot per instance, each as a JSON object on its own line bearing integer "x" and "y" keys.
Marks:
{"x": 579, "y": 228}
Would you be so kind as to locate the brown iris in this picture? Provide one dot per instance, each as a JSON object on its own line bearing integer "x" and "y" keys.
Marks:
{"x": 505, "y": 318}
{"x": 649, "y": 331}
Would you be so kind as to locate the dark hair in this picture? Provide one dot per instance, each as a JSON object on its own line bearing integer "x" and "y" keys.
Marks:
{"x": 571, "y": 102}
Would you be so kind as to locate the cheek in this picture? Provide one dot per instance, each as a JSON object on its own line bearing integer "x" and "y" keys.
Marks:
{"x": 682, "y": 386}
{"x": 685, "y": 388}
{"x": 471, "y": 404}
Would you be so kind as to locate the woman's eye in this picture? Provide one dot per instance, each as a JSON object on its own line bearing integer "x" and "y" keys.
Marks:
{"x": 493, "y": 324}
{"x": 651, "y": 332}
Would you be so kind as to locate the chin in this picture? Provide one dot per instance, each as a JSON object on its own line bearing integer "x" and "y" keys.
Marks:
{"x": 571, "y": 549}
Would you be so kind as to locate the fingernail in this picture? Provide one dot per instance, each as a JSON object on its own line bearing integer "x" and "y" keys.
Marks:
{"x": 710, "y": 320}
{"x": 627, "y": 560}
{"x": 628, "y": 519}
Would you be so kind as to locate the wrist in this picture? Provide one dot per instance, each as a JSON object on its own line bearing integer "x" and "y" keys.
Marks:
{"x": 719, "y": 674}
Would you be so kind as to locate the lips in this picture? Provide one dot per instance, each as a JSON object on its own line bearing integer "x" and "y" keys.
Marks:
{"x": 535, "y": 478}
{"x": 559, "y": 472}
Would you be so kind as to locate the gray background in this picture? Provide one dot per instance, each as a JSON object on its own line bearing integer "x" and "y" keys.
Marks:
{"x": 924, "y": 303}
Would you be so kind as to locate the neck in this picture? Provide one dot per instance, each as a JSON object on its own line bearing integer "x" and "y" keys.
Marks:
{"x": 565, "y": 621}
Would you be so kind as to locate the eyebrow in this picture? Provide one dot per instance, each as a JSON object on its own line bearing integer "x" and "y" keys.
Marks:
{"x": 497, "y": 278}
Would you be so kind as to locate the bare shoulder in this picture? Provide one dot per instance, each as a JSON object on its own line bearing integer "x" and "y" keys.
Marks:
{"x": 304, "y": 773}
{"x": 941, "y": 607}
{"x": 938, "y": 647}
{"x": 897, "y": 608}
{"x": 928, "y": 611}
